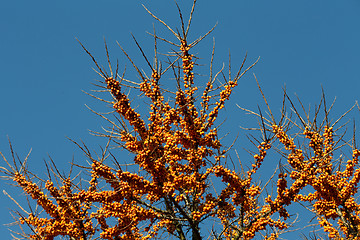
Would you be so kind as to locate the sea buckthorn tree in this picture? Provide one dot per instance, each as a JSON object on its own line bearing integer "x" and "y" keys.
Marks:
{"x": 179, "y": 184}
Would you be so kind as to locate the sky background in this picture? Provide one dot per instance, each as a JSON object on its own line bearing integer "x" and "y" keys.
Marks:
{"x": 303, "y": 44}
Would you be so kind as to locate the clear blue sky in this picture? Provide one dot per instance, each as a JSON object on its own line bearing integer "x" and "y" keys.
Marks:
{"x": 303, "y": 44}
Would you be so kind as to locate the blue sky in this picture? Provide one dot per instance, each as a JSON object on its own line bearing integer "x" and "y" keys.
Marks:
{"x": 303, "y": 44}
